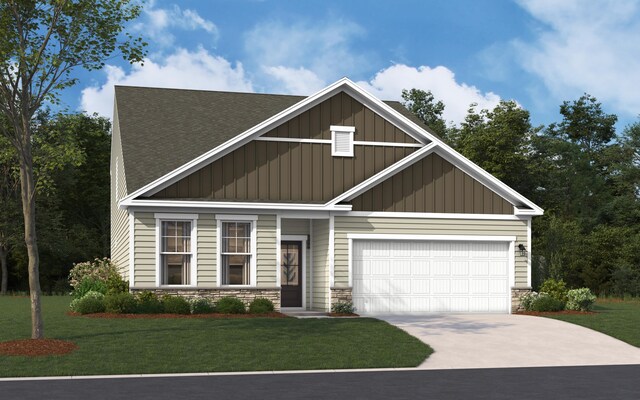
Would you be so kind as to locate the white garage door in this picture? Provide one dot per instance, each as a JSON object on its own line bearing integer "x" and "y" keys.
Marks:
{"x": 405, "y": 277}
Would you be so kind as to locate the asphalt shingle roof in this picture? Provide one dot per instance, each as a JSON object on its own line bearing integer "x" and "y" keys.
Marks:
{"x": 163, "y": 129}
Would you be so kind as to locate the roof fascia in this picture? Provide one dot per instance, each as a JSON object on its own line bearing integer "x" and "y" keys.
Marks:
{"x": 257, "y": 207}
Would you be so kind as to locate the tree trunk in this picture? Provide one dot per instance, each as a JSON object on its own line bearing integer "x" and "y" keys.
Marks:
{"x": 5, "y": 274}
{"x": 27, "y": 191}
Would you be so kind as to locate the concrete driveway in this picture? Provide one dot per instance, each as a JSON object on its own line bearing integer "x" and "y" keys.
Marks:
{"x": 499, "y": 340}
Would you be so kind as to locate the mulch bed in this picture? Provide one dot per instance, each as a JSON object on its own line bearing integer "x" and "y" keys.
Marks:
{"x": 37, "y": 347}
{"x": 149, "y": 316}
{"x": 539, "y": 313}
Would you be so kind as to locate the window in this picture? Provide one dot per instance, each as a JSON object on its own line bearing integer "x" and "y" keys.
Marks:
{"x": 342, "y": 141}
{"x": 176, "y": 240}
{"x": 237, "y": 249}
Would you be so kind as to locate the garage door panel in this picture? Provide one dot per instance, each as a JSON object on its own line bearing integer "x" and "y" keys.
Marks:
{"x": 430, "y": 276}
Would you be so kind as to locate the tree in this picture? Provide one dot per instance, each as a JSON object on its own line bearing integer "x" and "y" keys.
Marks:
{"x": 423, "y": 105}
{"x": 42, "y": 43}
{"x": 9, "y": 208}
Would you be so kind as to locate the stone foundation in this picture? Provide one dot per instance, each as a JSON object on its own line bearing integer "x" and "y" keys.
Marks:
{"x": 516, "y": 296}
{"x": 245, "y": 294}
{"x": 341, "y": 295}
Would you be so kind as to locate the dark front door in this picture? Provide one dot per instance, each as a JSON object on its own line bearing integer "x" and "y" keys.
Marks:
{"x": 291, "y": 273}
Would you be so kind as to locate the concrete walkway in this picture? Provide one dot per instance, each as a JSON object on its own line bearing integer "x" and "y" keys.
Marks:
{"x": 499, "y": 340}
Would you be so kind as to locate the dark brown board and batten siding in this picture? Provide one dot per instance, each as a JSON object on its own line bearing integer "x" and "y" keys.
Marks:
{"x": 432, "y": 185}
{"x": 344, "y": 110}
{"x": 283, "y": 172}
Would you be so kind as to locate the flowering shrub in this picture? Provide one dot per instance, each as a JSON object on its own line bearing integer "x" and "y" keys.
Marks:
{"x": 100, "y": 275}
{"x": 541, "y": 302}
{"x": 528, "y": 299}
{"x": 580, "y": 299}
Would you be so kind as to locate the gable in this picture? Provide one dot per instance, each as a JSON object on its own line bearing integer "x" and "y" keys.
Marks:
{"x": 341, "y": 109}
{"x": 432, "y": 185}
{"x": 281, "y": 166}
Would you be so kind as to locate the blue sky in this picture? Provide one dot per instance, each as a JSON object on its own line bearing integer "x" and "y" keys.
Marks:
{"x": 538, "y": 53}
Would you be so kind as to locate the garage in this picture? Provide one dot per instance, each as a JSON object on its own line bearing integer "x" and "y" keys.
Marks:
{"x": 430, "y": 276}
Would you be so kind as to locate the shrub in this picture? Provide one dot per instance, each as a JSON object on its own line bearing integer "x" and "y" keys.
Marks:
{"x": 545, "y": 303}
{"x": 230, "y": 305}
{"x": 343, "y": 307}
{"x": 555, "y": 289}
{"x": 175, "y": 305}
{"x": 115, "y": 284}
{"x": 92, "y": 302}
{"x": 580, "y": 299}
{"x": 201, "y": 305}
{"x": 89, "y": 284}
{"x": 148, "y": 303}
{"x": 528, "y": 299}
{"x": 261, "y": 306}
{"x": 120, "y": 303}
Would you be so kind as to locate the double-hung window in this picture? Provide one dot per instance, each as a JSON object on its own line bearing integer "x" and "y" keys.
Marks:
{"x": 176, "y": 256}
{"x": 237, "y": 251}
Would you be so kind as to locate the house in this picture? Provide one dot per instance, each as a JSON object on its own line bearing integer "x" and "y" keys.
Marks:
{"x": 309, "y": 201}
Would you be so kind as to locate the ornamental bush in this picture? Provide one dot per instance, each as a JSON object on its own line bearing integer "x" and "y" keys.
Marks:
{"x": 580, "y": 299}
{"x": 85, "y": 276}
{"x": 120, "y": 303}
{"x": 528, "y": 299}
{"x": 230, "y": 305}
{"x": 555, "y": 288}
{"x": 201, "y": 305}
{"x": 148, "y": 303}
{"x": 261, "y": 306}
{"x": 343, "y": 307}
{"x": 89, "y": 284}
{"x": 175, "y": 305}
{"x": 546, "y": 303}
{"x": 90, "y": 303}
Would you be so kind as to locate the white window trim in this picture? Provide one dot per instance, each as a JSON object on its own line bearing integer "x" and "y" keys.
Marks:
{"x": 193, "y": 218}
{"x": 220, "y": 218}
{"x": 342, "y": 129}
{"x": 303, "y": 267}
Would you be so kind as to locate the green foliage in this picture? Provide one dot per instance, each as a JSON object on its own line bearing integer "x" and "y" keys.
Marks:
{"x": 230, "y": 305}
{"x": 92, "y": 302}
{"x": 120, "y": 303}
{"x": 148, "y": 303}
{"x": 261, "y": 306}
{"x": 89, "y": 284}
{"x": 423, "y": 105}
{"x": 545, "y": 303}
{"x": 343, "y": 307}
{"x": 555, "y": 288}
{"x": 580, "y": 299}
{"x": 175, "y": 305}
{"x": 201, "y": 305}
{"x": 115, "y": 284}
{"x": 528, "y": 299}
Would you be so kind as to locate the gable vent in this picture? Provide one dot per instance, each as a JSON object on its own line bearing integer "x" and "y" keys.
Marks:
{"x": 342, "y": 141}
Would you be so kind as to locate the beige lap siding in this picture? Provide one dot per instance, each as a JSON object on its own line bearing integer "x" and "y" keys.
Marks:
{"x": 266, "y": 264}
{"x": 320, "y": 248}
{"x": 207, "y": 251}
{"x": 119, "y": 218}
{"x": 145, "y": 250}
{"x": 424, "y": 226}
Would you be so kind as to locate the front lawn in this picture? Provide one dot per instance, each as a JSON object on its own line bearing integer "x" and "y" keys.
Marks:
{"x": 617, "y": 318}
{"x": 127, "y": 346}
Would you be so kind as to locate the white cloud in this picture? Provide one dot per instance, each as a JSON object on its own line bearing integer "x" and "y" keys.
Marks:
{"x": 182, "y": 69}
{"x": 159, "y": 21}
{"x": 299, "y": 81}
{"x": 586, "y": 46}
{"x": 388, "y": 84}
{"x": 319, "y": 50}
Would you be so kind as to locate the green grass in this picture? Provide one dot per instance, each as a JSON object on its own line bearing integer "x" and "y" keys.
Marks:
{"x": 617, "y": 318}
{"x": 126, "y": 346}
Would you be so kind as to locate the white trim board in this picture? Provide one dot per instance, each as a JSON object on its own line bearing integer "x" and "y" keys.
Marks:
{"x": 234, "y": 205}
{"x": 452, "y": 238}
{"x": 328, "y": 142}
{"x": 393, "y": 214}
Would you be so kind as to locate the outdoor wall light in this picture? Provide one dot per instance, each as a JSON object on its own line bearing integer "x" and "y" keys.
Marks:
{"x": 523, "y": 250}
